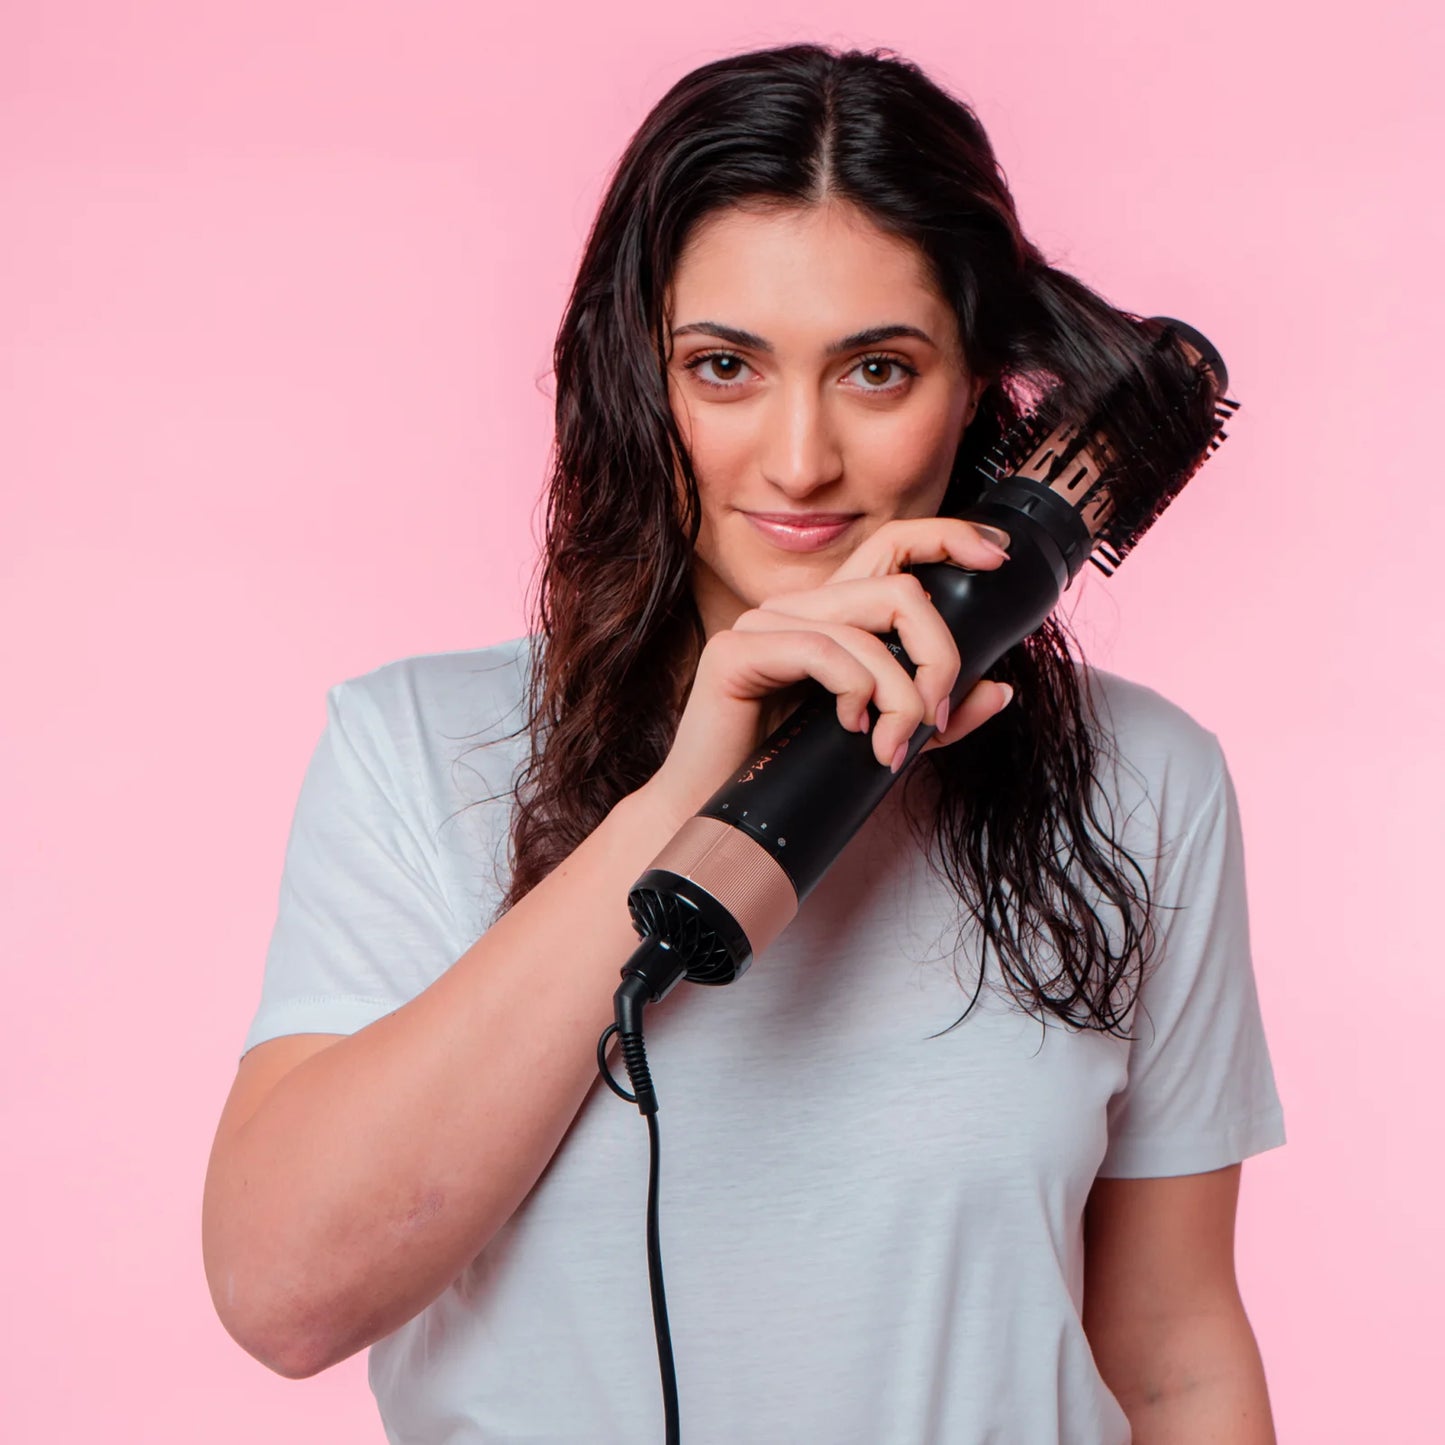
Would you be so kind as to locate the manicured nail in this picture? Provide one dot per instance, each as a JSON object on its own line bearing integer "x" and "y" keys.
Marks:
{"x": 864, "y": 721}
{"x": 940, "y": 718}
{"x": 898, "y": 757}
{"x": 1008, "y": 695}
{"x": 996, "y": 535}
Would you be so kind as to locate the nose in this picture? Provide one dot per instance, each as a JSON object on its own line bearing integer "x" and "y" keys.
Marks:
{"x": 798, "y": 451}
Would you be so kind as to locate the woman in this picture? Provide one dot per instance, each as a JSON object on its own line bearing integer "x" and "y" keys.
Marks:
{"x": 804, "y": 311}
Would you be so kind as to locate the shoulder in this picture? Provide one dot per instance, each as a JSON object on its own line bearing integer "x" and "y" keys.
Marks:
{"x": 419, "y": 714}
{"x": 1155, "y": 734}
{"x": 439, "y": 685}
{"x": 1160, "y": 768}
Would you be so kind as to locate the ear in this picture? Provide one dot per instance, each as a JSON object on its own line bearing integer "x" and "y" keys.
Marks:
{"x": 976, "y": 387}
{"x": 976, "y": 390}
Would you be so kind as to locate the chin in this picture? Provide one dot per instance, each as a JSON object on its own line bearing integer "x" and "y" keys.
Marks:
{"x": 810, "y": 569}
{"x": 754, "y": 572}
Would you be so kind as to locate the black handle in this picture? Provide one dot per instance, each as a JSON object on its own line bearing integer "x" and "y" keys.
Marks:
{"x": 813, "y": 783}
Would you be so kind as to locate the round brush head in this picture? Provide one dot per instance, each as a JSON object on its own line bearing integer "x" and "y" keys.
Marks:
{"x": 1203, "y": 346}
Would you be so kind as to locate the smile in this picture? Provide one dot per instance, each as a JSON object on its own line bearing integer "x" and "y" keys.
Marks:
{"x": 808, "y": 535}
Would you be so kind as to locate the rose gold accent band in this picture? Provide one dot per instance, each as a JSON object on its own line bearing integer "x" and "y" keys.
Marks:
{"x": 739, "y": 872}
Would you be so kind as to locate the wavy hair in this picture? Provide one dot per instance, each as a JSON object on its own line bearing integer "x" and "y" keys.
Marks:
{"x": 1016, "y": 823}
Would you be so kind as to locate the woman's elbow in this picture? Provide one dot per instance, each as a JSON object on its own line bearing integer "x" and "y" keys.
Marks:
{"x": 262, "y": 1330}
{"x": 271, "y": 1324}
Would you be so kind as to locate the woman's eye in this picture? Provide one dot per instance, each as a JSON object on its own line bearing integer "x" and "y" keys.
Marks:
{"x": 723, "y": 370}
{"x": 716, "y": 368}
{"x": 883, "y": 373}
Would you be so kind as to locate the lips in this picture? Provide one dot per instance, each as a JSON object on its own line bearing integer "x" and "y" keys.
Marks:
{"x": 801, "y": 531}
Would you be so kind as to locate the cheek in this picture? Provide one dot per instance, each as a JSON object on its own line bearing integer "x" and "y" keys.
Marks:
{"x": 717, "y": 458}
{"x": 722, "y": 445}
{"x": 721, "y": 441}
{"x": 910, "y": 459}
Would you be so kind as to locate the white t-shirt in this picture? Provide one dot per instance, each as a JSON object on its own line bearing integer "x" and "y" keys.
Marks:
{"x": 868, "y": 1234}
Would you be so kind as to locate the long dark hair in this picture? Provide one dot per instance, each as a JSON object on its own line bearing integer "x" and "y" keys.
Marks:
{"x": 1014, "y": 820}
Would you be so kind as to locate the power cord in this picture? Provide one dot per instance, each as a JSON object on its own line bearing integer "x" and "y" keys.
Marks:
{"x": 646, "y": 977}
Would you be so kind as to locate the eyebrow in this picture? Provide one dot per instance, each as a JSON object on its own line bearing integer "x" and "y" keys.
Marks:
{"x": 871, "y": 337}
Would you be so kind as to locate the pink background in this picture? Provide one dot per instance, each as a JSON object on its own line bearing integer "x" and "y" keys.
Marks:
{"x": 278, "y": 285}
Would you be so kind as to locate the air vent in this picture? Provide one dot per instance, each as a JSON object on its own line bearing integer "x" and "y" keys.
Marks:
{"x": 663, "y": 915}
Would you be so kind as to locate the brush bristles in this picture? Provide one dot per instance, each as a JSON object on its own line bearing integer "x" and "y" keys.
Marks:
{"x": 1120, "y": 534}
{"x": 1149, "y": 435}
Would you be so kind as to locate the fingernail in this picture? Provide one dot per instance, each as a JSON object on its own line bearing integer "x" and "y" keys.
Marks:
{"x": 996, "y": 535}
{"x": 898, "y": 757}
{"x": 864, "y": 721}
{"x": 1008, "y": 695}
{"x": 940, "y": 718}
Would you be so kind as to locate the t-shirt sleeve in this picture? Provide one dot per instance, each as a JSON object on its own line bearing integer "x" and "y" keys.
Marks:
{"x": 1200, "y": 1092}
{"x": 362, "y": 921}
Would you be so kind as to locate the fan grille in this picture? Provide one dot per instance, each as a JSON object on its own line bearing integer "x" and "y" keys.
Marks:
{"x": 662, "y": 915}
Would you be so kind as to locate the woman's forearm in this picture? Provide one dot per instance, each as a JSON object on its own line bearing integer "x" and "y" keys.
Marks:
{"x": 376, "y": 1169}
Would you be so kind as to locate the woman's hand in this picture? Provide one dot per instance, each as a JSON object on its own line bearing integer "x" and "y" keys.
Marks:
{"x": 830, "y": 633}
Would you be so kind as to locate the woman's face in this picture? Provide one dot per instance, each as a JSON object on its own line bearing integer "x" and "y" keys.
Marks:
{"x": 817, "y": 376}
